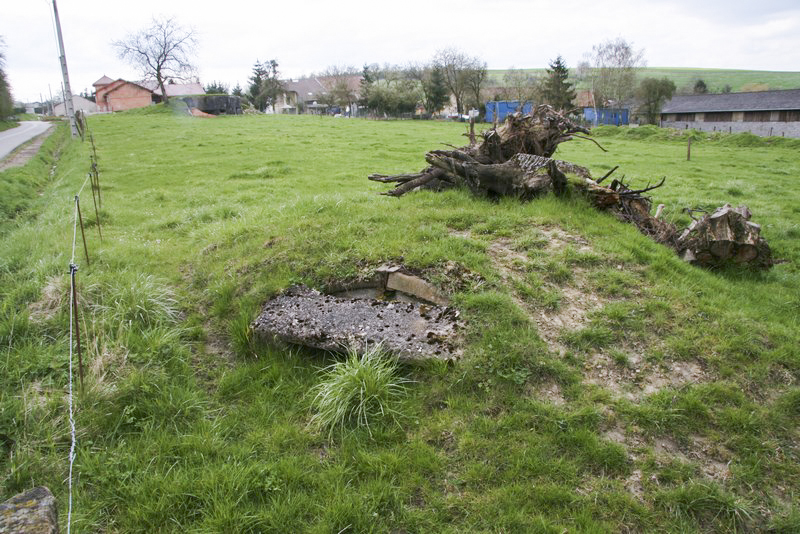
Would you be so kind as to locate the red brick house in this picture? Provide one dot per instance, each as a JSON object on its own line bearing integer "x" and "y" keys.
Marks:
{"x": 120, "y": 95}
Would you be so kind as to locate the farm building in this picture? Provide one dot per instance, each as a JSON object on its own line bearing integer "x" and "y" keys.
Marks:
{"x": 78, "y": 103}
{"x": 120, "y": 95}
{"x": 762, "y": 113}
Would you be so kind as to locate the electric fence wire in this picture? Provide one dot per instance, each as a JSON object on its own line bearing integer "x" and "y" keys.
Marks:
{"x": 72, "y": 268}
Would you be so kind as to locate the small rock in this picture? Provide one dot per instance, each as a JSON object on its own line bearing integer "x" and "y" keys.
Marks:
{"x": 31, "y": 512}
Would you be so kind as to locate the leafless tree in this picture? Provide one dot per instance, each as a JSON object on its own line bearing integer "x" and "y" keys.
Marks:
{"x": 162, "y": 51}
{"x": 520, "y": 86}
{"x": 341, "y": 85}
{"x": 613, "y": 71}
{"x": 475, "y": 78}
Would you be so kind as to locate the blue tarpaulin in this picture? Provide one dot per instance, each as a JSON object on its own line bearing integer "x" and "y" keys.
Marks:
{"x": 616, "y": 117}
{"x": 503, "y": 108}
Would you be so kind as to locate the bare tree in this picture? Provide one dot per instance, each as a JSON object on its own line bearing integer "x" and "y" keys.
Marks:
{"x": 520, "y": 86}
{"x": 162, "y": 51}
{"x": 475, "y": 78}
{"x": 342, "y": 86}
{"x": 453, "y": 63}
{"x": 614, "y": 64}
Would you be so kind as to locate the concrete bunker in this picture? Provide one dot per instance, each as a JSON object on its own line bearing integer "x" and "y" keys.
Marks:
{"x": 403, "y": 313}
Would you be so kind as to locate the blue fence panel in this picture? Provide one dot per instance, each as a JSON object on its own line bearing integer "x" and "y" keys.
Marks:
{"x": 504, "y": 107}
{"x": 617, "y": 117}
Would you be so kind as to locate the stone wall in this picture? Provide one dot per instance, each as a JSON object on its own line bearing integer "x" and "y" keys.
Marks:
{"x": 778, "y": 129}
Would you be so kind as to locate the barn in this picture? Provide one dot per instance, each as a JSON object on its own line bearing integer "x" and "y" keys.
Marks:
{"x": 764, "y": 113}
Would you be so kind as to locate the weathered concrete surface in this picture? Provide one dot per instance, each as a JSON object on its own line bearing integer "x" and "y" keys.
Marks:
{"x": 408, "y": 330}
{"x": 32, "y": 512}
{"x": 413, "y": 285}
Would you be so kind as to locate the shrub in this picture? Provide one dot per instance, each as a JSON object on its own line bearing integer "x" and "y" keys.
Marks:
{"x": 362, "y": 390}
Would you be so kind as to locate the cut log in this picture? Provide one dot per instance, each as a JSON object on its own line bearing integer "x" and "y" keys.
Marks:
{"x": 725, "y": 236}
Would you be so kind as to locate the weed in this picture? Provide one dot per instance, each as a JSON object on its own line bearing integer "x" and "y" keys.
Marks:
{"x": 363, "y": 390}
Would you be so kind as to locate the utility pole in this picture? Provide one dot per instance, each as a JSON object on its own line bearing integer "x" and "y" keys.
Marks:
{"x": 67, "y": 90}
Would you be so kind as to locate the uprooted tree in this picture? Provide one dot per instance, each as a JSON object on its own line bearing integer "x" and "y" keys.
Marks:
{"x": 514, "y": 160}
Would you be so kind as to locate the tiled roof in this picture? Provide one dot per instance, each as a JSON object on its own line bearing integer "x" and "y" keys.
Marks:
{"x": 756, "y": 101}
{"x": 173, "y": 89}
{"x": 105, "y": 80}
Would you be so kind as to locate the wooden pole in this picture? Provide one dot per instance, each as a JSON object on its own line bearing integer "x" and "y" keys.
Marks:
{"x": 96, "y": 213}
{"x": 83, "y": 234}
{"x": 74, "y": 269}
{"x": 96, "y": 182}
{"x": 689, "y": 150}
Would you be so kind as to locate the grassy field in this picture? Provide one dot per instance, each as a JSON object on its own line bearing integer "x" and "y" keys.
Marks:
{"x": 605, "y": 386}
{"x": 716, "y": 79}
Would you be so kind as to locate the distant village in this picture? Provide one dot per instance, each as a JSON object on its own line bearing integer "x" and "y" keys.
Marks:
{"x": 763, "y": 113}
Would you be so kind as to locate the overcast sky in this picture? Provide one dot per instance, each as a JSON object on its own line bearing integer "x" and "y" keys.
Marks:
{"x": 306, "y": 37}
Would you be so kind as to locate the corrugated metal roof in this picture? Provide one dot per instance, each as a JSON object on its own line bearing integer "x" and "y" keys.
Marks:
{"x": 756, "y": 101}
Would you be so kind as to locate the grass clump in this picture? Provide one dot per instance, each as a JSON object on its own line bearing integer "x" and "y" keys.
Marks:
{"x": 361, "y": 391}
{"x": 139, "y": 299}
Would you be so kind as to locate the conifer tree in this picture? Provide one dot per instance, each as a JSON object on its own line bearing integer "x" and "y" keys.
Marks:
{"x": 556, "y": 90}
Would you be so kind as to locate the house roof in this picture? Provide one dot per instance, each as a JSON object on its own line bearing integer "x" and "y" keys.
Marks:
{"x": 173, "y": 89}
{"x": 105, "y": 80}
{"x": 305, "y": 87}
{"x": 120, "y": 82}
{"x": 755, "y": 101}
{"x": 310, "y": 88}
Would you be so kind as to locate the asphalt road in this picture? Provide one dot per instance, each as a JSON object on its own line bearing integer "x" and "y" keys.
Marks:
{"x": 11, "y": 139}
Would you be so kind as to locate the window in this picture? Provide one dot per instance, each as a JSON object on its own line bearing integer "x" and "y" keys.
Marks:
{"x": 757, "y": 116}
{"x": 684, "y": 117}
{"x": 789, "y": 116}
{"x": 718, "y": 116}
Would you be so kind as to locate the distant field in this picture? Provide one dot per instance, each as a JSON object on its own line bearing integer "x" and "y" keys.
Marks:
{"x": 716, "y": 79}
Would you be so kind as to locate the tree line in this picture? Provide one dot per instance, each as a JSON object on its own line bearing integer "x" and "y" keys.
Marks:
{"x": 6, "y": 102}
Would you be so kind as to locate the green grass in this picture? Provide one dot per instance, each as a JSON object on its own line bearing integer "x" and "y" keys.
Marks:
{"x": 671, "y": 404}
{"x": 362, "y": 391}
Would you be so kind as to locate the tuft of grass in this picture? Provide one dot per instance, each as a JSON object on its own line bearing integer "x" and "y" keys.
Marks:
{"x": 709, "y": 504}
{"x": 363, "y": 390}
{"x": 139, "y": 299}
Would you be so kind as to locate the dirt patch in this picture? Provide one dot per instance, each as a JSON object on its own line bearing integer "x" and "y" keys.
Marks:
{"x": 23, "y": 154}
{"x": 550, "y": 392}
{"x": 637, "y": 378}
{"x": 576, "y": 300}
{"x": 712, "y": 460}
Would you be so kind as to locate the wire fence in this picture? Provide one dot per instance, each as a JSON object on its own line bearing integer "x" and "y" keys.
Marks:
{"x": 92, "y": 177}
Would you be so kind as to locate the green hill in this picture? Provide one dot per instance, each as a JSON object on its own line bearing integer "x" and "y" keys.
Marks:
{"x": 715, "y": 79}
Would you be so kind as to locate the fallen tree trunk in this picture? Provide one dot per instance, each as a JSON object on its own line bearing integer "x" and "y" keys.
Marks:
{"x": 536, "y": 134}
{"x": 514, "y": 160}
